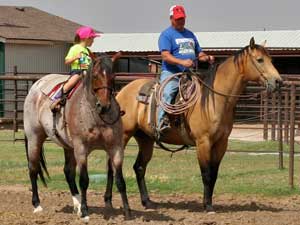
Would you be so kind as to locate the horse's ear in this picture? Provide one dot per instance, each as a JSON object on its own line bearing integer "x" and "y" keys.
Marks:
{"x": 252, "y": 43}
{"x": 116, "y": 56}
{"x": 264, "y": 43}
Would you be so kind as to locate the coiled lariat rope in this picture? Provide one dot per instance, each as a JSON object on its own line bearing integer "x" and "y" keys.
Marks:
{"x": 183, "y": 104}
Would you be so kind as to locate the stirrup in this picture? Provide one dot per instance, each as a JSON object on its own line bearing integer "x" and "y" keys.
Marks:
{"x": 55, "y": 106}
{"x": 164, "y": 126}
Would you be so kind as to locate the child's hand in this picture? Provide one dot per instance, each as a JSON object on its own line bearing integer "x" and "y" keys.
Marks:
{"x": 79, "y": 55}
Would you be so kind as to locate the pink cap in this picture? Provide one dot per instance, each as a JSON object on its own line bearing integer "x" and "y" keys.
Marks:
{"x": 86, "y": 32}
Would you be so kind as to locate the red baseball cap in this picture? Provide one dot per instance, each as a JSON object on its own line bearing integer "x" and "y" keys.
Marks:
{"x": 177, "y": 12}
{"x": 86, "y": 32}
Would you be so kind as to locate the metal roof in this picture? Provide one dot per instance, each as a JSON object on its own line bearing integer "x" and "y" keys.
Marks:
{"x": 140, "y": 42}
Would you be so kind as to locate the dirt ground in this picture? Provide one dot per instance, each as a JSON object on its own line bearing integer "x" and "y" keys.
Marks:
{"x": 16, "y": 209}
{"x": 253, "y": 132}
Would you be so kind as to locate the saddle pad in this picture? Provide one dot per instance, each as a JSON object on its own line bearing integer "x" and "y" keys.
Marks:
{"x": 47, "y": 83}
{"x": 145, "y": 92}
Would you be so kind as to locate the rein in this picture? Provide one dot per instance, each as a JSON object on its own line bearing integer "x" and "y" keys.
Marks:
{"x": 120, "y": 113}
{"x": 183, "y": 105}
{"x": 220, "y": 93}
{"x": 257, "y": 67}
{"x": 100, "y": 110}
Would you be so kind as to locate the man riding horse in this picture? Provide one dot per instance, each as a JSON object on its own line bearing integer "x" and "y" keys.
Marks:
{"x": 179, "y": 49}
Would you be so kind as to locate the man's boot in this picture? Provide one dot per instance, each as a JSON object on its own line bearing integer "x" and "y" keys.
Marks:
{"x": 164, "y": 125}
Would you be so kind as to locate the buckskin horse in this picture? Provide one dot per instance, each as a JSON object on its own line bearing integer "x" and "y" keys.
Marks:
{"x": 90, "y": 120}
{"x": 208, "y": 123}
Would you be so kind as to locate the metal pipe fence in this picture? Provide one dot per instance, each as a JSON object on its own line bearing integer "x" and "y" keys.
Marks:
{"x": 277, "y": 113}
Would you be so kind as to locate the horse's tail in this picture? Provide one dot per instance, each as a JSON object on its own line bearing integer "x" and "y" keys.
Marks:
{"x": 42, "y": 166}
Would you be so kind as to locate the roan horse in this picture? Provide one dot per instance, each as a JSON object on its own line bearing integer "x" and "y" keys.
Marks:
{"x": 91, "y": 120}
{"x": 209, "y": 122}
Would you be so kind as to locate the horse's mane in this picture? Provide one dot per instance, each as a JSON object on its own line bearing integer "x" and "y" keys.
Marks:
{"x": 240, "y": 54}
{"x": 105, "y": 61}
{"x": 209, "y": 79}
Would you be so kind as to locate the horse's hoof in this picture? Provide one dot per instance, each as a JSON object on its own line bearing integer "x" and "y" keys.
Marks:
{"x": 38, "y": 209}
{"x": 77, "y": 211}
{"x": 210, "y": 210}
{"x": 108, "y": 205}
{"x": 128, "y": 215}
{"x": 76, "y": 203}
{"x": 149, "y": 204}
{"x": 85, "y": 219}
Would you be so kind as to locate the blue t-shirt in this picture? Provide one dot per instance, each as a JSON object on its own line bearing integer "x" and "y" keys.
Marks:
{"x": 182, "y": 45}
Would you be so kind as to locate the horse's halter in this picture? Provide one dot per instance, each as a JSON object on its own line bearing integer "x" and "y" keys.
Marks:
{"x": 258, "y": 68}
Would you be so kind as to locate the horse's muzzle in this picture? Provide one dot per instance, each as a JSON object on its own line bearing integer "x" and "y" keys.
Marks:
{"x": 273, "y": 85}
{"x": 101, "y": 109}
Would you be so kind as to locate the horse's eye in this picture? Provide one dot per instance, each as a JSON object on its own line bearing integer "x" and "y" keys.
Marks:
{"x": 260, "y": 60}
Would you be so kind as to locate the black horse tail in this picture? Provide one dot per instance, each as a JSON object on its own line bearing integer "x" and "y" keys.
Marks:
{"x": 42, "y": 166}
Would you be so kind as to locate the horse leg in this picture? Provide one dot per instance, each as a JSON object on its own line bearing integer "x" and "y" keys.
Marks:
{"x": 144, "y": 156}
{"x": 109, "y": 185}
{"x": 70, "y": 174}
{"x": 116, "y": 155}
{"x": 34, "y": 153}
{"x": 209, "y": 160}
{"x": 81, "y": 153}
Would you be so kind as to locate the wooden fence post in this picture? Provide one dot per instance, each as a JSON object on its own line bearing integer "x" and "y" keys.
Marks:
{"x": 273, "y": 117}
{"x": 286, "y": 117}
{"x": 15, "y": 122}
{"x": 265, "y": 97}
{"x": 279, "y": 131}
{"x": 292, "y": 136}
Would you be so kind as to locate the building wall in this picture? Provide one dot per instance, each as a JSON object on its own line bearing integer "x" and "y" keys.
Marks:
{"x": 30, "y": 58}
{"x": 36, "y": 58}
{"x": 2, "y": 70}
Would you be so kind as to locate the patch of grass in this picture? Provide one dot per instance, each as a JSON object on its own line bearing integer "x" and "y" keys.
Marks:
{"x": 252, "y": 146}
{"x": 239, "y": 173}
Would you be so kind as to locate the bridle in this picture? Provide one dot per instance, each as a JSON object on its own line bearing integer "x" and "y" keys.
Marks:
{"x": 100, "y": 108}
{"x": 257, "y": 67}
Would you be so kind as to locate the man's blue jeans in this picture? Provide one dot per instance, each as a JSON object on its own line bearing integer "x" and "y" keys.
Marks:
{"x": 169, "y": 93}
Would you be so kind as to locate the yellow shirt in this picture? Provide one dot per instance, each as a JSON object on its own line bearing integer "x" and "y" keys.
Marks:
{"x": 83, "y": 62}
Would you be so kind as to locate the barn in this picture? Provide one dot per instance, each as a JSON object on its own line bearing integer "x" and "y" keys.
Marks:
{"x": 31, "y": 42}
{"x": 139, "y": 48}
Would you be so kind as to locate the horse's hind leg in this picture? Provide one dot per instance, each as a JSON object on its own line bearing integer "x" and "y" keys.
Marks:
{"x": 34, "y": 151}
{"x": 144, "y": 156}
{"x": 70, "y": 174}
{"x": 116, "y": 155}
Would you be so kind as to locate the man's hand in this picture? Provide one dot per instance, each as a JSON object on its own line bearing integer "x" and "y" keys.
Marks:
{"x": 206, "y": 58}
{"x": 211, "y": 59}
{"x": 187, "y": 63}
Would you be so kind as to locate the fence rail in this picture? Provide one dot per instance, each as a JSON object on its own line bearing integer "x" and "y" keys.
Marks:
{"x": 279, "y": 112}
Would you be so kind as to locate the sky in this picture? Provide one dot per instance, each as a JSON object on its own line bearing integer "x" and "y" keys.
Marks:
{"x": 142, "y": 16}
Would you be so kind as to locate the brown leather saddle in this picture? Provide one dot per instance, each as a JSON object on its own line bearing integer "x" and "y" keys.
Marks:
{"x": 147, "y": 95}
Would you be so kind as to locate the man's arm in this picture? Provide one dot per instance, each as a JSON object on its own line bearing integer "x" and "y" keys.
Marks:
{"x": 206, "y": 58}
{"x": 169, "y": 58}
